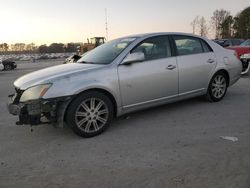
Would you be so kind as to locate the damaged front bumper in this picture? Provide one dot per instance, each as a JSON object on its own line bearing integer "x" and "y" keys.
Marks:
{"x": 41, "y": 111}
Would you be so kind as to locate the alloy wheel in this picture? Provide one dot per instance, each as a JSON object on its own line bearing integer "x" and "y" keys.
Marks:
{"x": 91, "y": 115}
{"x": 219, "y": 86}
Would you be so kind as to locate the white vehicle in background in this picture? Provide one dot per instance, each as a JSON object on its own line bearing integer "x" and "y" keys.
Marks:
{"x": 1, "y": 66}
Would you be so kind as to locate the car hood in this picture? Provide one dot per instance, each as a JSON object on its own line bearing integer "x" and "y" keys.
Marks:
{"x": 51, "y": 74}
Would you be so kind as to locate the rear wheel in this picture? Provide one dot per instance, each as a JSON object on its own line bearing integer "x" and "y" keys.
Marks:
{"x": 217, "y": 88}
{"x": 90, "y": 114}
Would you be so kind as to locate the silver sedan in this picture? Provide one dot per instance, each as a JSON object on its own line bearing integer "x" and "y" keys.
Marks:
{"x": 122, "y": 76}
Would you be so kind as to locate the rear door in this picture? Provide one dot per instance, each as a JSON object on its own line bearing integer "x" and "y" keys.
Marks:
{"x": 196, "y": 62}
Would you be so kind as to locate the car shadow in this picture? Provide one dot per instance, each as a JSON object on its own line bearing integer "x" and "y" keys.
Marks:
{"x": 158, "y": 111}
{"x": 118, "y": 123}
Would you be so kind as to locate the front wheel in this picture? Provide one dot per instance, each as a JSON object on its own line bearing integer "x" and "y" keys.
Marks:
{"x": 217, "y": 88}
{"x": 90, "y": 114}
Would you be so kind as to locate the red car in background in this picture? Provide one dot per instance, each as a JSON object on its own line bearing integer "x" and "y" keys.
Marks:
{"x": 243, "y": 53}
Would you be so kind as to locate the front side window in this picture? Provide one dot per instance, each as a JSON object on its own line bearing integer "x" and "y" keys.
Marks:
{"x": 154, "y": 48}
{"x": 106, "y": 53}
{"x": 188, "y": 45}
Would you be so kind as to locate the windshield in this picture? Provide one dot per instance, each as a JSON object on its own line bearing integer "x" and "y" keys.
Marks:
{"x": 107, "y": 52}
{"x": 246, "y": 43}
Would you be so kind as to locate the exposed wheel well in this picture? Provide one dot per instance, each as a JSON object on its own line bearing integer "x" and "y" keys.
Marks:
{"x": 105, "y": 92}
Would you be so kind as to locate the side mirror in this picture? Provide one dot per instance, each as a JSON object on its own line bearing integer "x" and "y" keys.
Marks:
{"x": 133, "y": 58}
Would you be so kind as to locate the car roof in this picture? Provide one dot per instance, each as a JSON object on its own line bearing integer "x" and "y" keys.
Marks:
{"x": 161, "y": 33}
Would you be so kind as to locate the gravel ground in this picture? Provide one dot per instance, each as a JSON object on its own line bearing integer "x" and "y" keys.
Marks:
{"x": 176, "y": 145}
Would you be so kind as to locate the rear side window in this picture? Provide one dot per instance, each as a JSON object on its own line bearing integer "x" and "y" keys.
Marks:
{"x": 154, "y": 48}
{"x": 206, "y": 47}
{"x": 188, "y": 45}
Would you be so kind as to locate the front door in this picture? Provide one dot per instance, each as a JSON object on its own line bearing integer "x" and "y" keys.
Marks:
{"x": 153, "y": 79}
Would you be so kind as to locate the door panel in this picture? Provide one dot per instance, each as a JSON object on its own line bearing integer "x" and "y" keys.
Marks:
{"x": 195, "y": 71}
{"x": 196, "y": 61}
{"x": 149, "y": 80}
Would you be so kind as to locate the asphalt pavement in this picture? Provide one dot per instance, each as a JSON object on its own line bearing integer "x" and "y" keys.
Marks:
{"x": 176, "y": 145}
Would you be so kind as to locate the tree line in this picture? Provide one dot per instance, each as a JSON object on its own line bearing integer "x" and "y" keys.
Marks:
{"x": 224, "y": 25}
{"x": 32, "y": 48}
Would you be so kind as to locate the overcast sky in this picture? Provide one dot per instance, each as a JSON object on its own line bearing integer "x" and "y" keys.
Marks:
{"x": 47, "y": 21}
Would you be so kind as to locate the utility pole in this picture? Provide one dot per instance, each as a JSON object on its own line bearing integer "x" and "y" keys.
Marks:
{"x": 106, "y": 23}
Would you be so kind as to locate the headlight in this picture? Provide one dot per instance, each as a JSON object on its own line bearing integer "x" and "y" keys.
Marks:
{"x": 245, "y": 56}
{"x": 35, "y": 92}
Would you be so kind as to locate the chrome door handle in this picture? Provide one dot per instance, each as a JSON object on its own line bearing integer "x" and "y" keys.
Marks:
{"x": 210, "y": 61}
{"x": 171, "y": 67}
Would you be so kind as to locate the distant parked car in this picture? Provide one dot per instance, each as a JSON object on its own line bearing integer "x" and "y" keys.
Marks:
{"x": 229, "y": 42}
{"x": 9, "y": 64}
{"x": 243, "y": 53}
{"x": 246, "y": 43}
{"x": 72, "y": 59}
{"x": 122, "y": 76}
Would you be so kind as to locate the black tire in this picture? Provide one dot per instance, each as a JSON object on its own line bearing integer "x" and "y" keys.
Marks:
{"x": 84, "y": 122}
{"x": 7, "y": 67}
{"x": 211, "y": 96}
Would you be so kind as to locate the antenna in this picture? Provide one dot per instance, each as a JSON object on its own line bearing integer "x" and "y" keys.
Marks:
{"x": 106, "y": 24}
